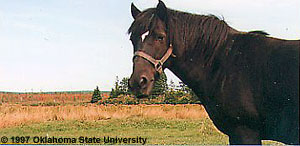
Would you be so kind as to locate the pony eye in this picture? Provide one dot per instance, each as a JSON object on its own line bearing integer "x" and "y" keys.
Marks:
{"x": 160, "y": 38}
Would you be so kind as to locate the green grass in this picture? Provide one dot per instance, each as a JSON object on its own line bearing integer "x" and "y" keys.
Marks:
{"x": 157, "y": 131}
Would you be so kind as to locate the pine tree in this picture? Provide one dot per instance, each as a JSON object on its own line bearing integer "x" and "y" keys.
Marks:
{"x": 117, "y": 87}
{"x": 124, "y": 88}
{"x": 115, "y": 92}
{"x": 96, "y": 95}
{"x": 172, "y": 85}
{"x": 183, "y": 87}
{"x": 170, "y": 97}
{"x": 160, "y": 86}
{"x": 191, "y": 96}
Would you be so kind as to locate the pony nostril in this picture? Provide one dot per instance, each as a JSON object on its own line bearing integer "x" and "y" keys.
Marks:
{"x": 143, "y": 82}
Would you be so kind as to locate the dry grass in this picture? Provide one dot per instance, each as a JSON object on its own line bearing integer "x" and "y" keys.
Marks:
{"x": 55, "y": 97}
{"x": 14, "y": 115}
{"x": 29, "y": 98}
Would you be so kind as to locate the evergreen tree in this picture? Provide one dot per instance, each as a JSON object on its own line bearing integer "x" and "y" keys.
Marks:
{"x": 124, "y": 88}
{"x": 121, "y": 87}
{"x": 96, "y": 95}
{"x": 171, "y": 95}
{"x": 172, "y": 85}
{"x": 116, "y": 91}
{"x": 160, "y": 86}
{"x": 183, "y": 87}
{"x": 191, "y": 96}
{"x": 117, "y": 87}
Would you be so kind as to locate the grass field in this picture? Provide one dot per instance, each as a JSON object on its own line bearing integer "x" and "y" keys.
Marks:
{"x": 156, "y": 130}
{"x": 158, "y": 124}
{"x": 16, "y": 115}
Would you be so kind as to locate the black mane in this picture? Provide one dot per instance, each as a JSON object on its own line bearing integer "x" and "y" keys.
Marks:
{"x": 199, "y": 35}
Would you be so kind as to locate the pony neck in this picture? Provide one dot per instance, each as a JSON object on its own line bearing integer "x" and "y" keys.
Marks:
{"x": 193, "y": 70}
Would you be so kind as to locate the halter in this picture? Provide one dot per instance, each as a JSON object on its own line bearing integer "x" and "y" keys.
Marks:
{"x": 157, "y": 63}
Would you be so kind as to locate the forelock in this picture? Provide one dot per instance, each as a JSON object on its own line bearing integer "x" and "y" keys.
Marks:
{"x": 142, "y": 23}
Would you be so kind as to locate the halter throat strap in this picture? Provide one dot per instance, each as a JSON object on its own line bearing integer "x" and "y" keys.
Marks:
{"x": 158, "y": 64}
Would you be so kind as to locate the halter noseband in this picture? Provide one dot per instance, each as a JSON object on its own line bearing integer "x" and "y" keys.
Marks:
{"x": 157, "y": 63}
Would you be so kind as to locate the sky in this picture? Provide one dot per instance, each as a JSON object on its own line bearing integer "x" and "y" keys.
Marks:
{"x": 71, "y": 45}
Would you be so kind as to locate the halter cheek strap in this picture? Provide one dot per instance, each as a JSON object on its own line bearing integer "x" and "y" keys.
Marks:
{"x": 158, "y": 64}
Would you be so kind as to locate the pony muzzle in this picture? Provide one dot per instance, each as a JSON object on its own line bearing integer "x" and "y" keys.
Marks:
{"x": 141, "y": 86}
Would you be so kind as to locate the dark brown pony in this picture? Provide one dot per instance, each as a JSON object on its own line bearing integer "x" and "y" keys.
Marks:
{"x": 248, "y": 82}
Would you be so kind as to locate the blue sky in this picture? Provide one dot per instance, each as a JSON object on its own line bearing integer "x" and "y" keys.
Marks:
{"x": 58, "y": 45}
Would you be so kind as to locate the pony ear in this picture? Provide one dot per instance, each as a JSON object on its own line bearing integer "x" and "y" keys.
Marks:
{"x": 134, "y": 11}
{"x": 161, "y": 11}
